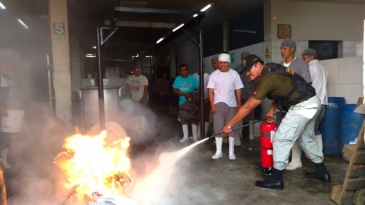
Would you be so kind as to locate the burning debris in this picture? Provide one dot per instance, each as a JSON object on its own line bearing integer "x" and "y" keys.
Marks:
{"x": 111, "y": 200}
{"x": 96, "y": 170}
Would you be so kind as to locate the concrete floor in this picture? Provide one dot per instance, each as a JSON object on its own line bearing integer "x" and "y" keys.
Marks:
{"x": 201, "y": 180}
{"x": 196, "y": 179}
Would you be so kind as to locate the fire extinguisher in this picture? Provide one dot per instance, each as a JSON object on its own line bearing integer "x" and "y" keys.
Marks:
{"x": 267, "y": 131}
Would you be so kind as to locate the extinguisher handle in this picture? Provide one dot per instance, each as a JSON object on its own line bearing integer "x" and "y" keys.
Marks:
{"x": 270, "y": 119}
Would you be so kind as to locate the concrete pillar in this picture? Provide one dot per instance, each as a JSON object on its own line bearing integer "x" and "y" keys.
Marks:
{"x": 226, "y": 36}
{"x": 268, "y": 21}
{"x": 61, "y": 58}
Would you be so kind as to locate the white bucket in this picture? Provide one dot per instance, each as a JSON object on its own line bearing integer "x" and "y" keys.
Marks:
{"x": 13, "y": 122}
{"x": 126, "y": 106}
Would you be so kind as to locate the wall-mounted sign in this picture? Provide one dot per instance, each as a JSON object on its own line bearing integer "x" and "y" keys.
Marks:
{"x": 267, "y": 52}
{"x": 59, "y": 30}
{"x": 284, "y": 31}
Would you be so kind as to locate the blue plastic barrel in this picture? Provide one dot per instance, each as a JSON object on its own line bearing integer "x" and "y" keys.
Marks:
{"x": 330, "y": 126}
{"x": 350, "y": 125}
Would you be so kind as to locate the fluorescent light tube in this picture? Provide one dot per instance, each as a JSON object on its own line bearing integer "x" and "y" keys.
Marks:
{"x": 2, "y": 6}
{"x": 159, "y": 40}
{"x": 175, "y": 29}
{"x": 206, "y": 8}
{"x": 23, "y": 24}
{"x": 195, "y": 15}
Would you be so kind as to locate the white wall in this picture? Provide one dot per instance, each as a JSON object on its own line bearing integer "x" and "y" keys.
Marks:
{"x": 318, "y": 20}
{"x": 344, "y": 78}
{"x": 315, "y": 21}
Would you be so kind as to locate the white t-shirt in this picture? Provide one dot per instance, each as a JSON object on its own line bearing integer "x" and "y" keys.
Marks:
{"x": 224, "y": 85}
{"x": 319, "y": 80}
{"x": 206, "y": 79}
{"x": 137, "y": 86}
{"x": 287, "y": 64}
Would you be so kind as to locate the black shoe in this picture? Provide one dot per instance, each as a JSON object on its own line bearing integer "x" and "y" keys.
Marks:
{"x": 270, "y": 184}
{"x": 322, "y": 177}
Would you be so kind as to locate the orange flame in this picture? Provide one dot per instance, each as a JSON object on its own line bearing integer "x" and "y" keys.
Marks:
{"x": 91, "y": 165}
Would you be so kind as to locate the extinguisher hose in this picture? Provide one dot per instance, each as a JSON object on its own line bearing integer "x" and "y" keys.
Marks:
{"x": 216, "y": 134}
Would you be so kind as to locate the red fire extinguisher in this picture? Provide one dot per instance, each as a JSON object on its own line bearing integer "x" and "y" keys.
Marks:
{"x": 267, "y": 130}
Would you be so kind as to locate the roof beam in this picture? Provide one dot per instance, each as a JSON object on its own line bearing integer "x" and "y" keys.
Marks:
{"x": 151, "y": 10}
{"x": 142, "y": 24}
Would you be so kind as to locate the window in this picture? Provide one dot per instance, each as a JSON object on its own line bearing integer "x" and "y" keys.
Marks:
{"x": 325, "y": 49}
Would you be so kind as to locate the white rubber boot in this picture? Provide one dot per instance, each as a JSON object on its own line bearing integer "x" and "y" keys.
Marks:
{"x": 231, "y": 148}
{"x": 195, "y": 132}
{"x": 206, "y": 129}
{"x": 319, "y": 142}
{"x": 185, "y": 132}
{"x": 218, "y": 144}
{"x": 4, "y": 156}
{"x": 296, "y": 161}
{"x": 250, "y": 130}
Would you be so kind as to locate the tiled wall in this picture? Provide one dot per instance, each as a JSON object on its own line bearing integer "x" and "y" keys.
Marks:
{"x": 344, "y": 74}
{"x": 347, "y": 48}
{"x": 345, "y": 78}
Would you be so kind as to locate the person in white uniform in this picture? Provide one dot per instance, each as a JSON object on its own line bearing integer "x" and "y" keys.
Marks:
{"x": 318, "y": 74}
{"x": 224, "y": 90}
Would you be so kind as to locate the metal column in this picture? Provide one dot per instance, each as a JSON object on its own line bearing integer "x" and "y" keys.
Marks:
{"x": 201, "y": 79}
{"x": 100, "y": 82}
{"x": 199, "y": 43}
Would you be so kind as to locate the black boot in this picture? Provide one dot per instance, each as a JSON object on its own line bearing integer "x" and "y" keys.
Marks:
{"x": 274, "y": 182}
{"x": 320, "y": 174}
